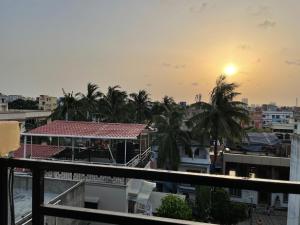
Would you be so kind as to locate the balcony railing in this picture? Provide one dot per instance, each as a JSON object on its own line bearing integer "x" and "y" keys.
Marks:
{"x": 39, "y": 209}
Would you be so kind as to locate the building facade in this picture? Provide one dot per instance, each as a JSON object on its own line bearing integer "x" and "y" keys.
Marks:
{"x": 47, "y": 103}
{"x": 273, "y": 117}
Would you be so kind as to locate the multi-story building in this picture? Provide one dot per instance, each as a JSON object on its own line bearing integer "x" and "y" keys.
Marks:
{"x": 256, "y": 118}
{"x": 273, "y": 117}
{"x": 47, "y": 103}
{"x": 261, "y": 157}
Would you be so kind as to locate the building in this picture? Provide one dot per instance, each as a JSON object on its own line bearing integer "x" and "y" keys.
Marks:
{"x": 47, "y": 103}
{"x": 273, "y": 117}
{"x": 260, "y": 156}
{"x": 11, "y": 98}
{"x": 28, "y": 119}
{"x": 3, "y": 103}
{"x": 101, "y": 146}
{"x": 294, "y": 200}
{"x": 256, "y": 119}
{"x": 66, "y": 192}
{"x": 245, "y": 101}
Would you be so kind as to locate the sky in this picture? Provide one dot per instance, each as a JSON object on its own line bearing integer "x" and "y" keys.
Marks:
{"x": 167, "y": 47}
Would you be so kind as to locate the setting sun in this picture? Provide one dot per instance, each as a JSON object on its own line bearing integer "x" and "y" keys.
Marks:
{"x": 230, "y": 70}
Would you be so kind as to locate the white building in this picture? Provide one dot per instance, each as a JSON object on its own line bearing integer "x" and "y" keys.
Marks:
{"x": 47, "y": 103}
{"x": 273, "y": 117}
{"x": 3, "y": 103}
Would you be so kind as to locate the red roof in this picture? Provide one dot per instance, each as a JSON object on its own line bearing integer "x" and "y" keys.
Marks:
{"x": 59, "y": 128}
{"x": 37, "y": 151}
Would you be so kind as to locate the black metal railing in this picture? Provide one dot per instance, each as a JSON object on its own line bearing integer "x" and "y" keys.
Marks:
{"x": 39, "y": 209}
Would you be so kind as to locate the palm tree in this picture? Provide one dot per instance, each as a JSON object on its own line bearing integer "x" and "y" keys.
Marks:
{"x": 140, "y": 103}
{"x": 112, "y": 105}
{"x": 170, "y": 137}
{"x": 221, "y": 118}
{"x": 68, "y": 108}
{"x": 90, "y": 100}
{"x": 159, "y": 108}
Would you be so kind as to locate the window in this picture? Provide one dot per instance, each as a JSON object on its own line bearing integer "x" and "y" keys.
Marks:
{"x": 234, "y": 192}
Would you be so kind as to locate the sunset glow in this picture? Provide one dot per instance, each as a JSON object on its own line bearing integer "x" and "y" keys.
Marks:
{"x": 230, "y": 70}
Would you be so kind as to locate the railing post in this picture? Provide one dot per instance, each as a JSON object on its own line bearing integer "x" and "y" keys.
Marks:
{"x": 37, "y": 196}
{"x": 3, "y": 195}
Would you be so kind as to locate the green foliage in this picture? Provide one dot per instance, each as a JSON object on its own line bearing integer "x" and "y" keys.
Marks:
{"x": 174, "y": 207}
{"x": 170, "y": 136}
{"x": 214, "y": 205}
{"x": 222, "y": 117}
{"x": 202, "y": 203}
{"x": 23, "y": 104}
{"x": 141, "y": 106}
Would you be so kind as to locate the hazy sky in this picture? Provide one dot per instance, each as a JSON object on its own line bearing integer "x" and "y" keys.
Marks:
{"x": 167, "y": 47}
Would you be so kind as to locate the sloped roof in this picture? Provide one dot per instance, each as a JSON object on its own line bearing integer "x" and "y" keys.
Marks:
{"x": 81, "y": 129}
{"x": 37, "y": 151}
{"x": 255, "y": 138}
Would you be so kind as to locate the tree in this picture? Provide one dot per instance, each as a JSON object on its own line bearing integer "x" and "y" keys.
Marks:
{"x": 113, "y": 105}
{"x": 69, "y": 108}
{"x": 89, "y": 102}
{"x": 221, "y": 118}
{"x": 170, "y": 136}
{"x": 214, "y": 205}
{"x": 23, "y": 104}
{"x": 174, "y": 207}
{"x": 141, "y": 103}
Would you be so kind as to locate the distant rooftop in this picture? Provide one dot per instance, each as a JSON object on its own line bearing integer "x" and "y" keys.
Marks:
{"x": 81, "y": 129}
{"x": 37, "y": 151}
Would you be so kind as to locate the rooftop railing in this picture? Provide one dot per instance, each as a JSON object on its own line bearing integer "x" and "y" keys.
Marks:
{"x": 39, "y": 209}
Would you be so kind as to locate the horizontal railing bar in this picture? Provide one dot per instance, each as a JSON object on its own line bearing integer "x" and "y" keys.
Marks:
{"x": 110, "y": 217}
{"x": 274, "y": 186}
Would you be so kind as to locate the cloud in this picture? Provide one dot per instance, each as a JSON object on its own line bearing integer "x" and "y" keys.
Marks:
{"x": 267, "y": 24}
{"x": 244, "y": 47}
{"x": 195, "y": 84}
{"x": 198, "y": 8}
{"x": 261, "y": 10}
{"x": 166, "y": 64}
{"x": 174, "y": 66}
{"x": 295, "y": 62}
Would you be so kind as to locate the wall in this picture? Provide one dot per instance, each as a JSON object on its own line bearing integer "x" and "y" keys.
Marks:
{"x": 294, "y": 200}
{"x": 109, "y": 196}
{"x": 69, "y": 193}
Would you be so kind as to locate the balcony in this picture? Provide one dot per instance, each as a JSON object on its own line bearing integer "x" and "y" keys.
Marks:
{"x": 40, "y": 209}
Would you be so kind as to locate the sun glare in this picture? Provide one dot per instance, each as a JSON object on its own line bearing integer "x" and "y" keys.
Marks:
{"x": 230, "y": 70}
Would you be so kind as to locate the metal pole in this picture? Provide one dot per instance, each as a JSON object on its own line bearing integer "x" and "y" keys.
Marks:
{"x": 31, "y": 147}
{"x": 140, "y": 146}
{"x": 4, "y": 195}
{"x": 25, "y": 146}
{"x": 251, "y": 212}
{"x": 37, "y": 196}
{"x": 73, "y": 150}
{"x": 125, "y": 152}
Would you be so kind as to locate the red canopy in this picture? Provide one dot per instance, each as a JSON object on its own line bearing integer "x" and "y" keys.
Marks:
{"x": 81, "y": 129}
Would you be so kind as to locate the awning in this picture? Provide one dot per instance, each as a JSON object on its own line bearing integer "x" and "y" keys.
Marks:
{"x": 91, "y": 130}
